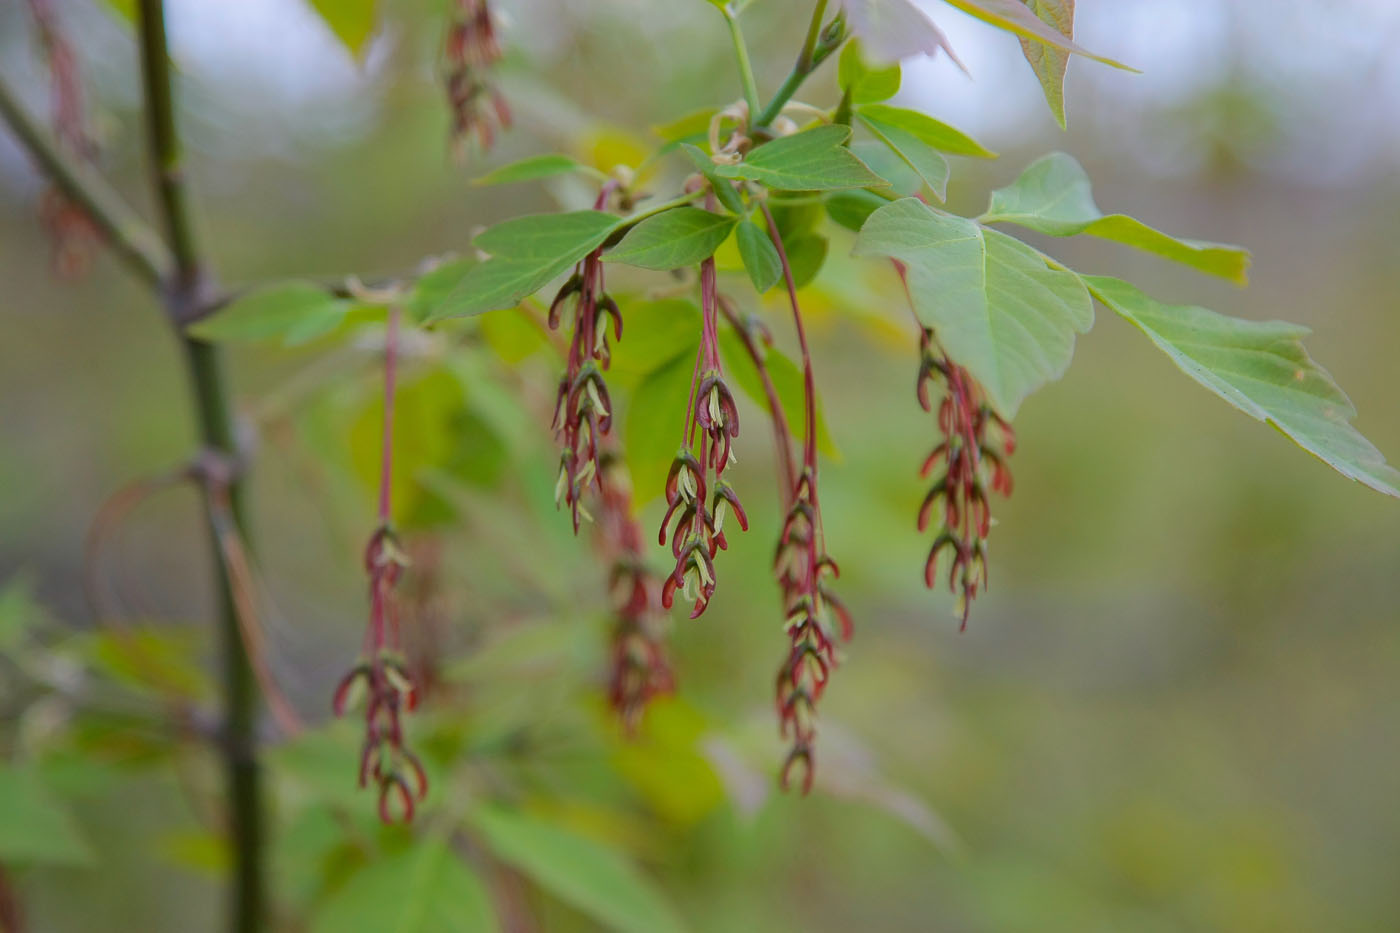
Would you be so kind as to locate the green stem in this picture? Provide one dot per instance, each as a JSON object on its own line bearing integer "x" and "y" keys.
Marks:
{"x": 185, "y": 293}
{"x": 133, "y": 240}
{"x": 741, "y": 52}
{"x": 816, "y": 48}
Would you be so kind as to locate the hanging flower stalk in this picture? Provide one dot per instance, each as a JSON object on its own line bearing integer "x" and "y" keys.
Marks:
{"x": 470, "y": 52}
{"x": 697, "y": 497}
{"x": 814, "y": 617}
{"x": 582, "y": 407}
{"x": 969, "y": 462}
{"x": 381, "y": 679}
{"x": 641, "y": 668}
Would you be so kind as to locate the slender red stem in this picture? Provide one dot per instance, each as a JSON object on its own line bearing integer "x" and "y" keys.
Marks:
{"x": 386, "y": 466}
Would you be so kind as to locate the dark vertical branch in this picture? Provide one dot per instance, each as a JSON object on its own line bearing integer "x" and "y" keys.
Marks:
{"x": 185, "y": 292}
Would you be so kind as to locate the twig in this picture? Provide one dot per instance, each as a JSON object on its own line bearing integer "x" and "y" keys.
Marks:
{"x": 130, "y": 237}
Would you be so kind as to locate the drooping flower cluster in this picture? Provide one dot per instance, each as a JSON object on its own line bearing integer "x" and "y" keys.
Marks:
{"x": 970, "y": 462}
{"x": 697, "y": 497}
{"x": 381, "y": 681}
{"x": 582, "y": 408}
{"x": 471, "y": 50}
{"x": 803, "y": 569}
{"x": 641, "y": 669}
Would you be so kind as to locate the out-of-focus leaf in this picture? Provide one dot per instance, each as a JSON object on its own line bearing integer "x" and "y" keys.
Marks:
{"x": 665, "y": 762}
{"x": 654, "y": 421}
{"x": 927, "y": 161}
{"x": 352, "y": 21}
{"x": 891, "y": 30}
{"x": 806, "y": 255}
{"x": 864, "y": 82}
{"x": 654, "y": 332}
{"x": 149, "y": 658}
{"x": 200, "y": 851}
{"x": 426, "y": 888}
{"x": 20, "y": 611}
{"x": 425, "y": 407}
{"x": 1262, "y": 369}
{"x": 813, "y": 160}
{"x": 532, "y": 168}
{"x": 526, "y": 253}
{"x": 1014, "y": 17}
{"x": 514, "y": 334}
{"x": 35, "y": 827}
{"x": 1049, "y": 63}
{"x": 760, "y": 256}
{"x": 288, "y": 313}
{"x": 682, "y": 236}
{"x": 998, "y": 306}
{"x": 579, "y": 871}
{"x": 694, "y": 125}
{"x": 1053, "y": 196}
{"x": 927, "y": 130}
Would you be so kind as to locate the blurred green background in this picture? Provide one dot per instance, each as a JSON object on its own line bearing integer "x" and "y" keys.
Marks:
{"x": 1178, "y": 708}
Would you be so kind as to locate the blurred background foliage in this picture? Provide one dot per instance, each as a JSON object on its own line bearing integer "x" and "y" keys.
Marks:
{"x": 1177, "y": 709}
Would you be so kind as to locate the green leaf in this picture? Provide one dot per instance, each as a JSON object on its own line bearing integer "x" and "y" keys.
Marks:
{"x": 527, "y": 253}
{"x": 998, "y": 306}
{"x": 682, "y": 236}
{"x": 813, "y": 160}
{"x": 1262, "y": 369}
{"x": 288, "y": 313}
{"x": 426, "y": 888}
{"x": 864, "y": 82}
{"x": 917, "y": 154}
{"x": 1014, "y": 17}
{"x": 352, "y": 21}
{"x": 36, "y": 828}
{"x": 1053, "y": 196}
{"x": 851, "y": 209}
{"x": 1048, "y": 62}
{"x": 927, "y": 130}
{"x": 577, "y": 870}
{"x": 723, "y": 187}
{"x": 532, "y": 168}
{"x": 760, "y": 256}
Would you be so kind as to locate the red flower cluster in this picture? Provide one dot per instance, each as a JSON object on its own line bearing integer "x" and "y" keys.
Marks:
{"x": 970, "y": 461}
{"x": 802, "y": 568}
{"x": 697, "y": 533}
{"x": 641, "y": 669}
{"x": 582, "y": 408}
{"x": 382, "y": 680}
{"x": 470, "y": 51}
